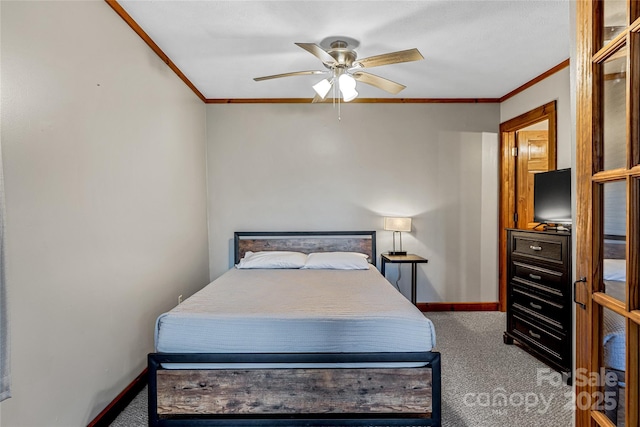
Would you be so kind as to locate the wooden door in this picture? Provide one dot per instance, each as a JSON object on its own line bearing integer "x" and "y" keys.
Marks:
{"x": 534, "y": 155}
{"x": 509, "y": 181}
{"x": 607, "y": 228}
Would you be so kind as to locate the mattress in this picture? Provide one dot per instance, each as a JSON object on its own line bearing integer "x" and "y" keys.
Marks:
{"x": 614, "y": 340}
{"x": 614, "y": 329}
{"x": 264, "y": 311}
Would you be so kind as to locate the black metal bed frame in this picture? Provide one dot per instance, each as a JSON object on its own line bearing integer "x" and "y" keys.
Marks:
{"x": 430, "y": 358}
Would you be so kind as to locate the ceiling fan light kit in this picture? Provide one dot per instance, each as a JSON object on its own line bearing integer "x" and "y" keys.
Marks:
{"x": 323, "y": 87}
{"x": 340, "y": 60}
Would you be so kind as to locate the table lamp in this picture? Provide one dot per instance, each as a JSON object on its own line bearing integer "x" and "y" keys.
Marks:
{"x": 397, "y": 225}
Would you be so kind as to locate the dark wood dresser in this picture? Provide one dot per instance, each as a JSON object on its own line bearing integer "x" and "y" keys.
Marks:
{"x": 539, "y": 308}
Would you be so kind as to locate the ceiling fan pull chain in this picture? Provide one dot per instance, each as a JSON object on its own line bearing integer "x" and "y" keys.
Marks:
{"x": 339, "y": 100}
{"x": 334, "y": 94}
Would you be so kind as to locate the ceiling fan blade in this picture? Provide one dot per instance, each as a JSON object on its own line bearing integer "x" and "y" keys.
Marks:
{"x": 379, "y": 82}
{"x": 294, "y": 73}
{"x": 390, "y": 58}
{"x": 319, "y": 52}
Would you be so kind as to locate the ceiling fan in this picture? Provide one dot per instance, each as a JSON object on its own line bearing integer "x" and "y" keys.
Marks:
{"x": 345, "y": 69}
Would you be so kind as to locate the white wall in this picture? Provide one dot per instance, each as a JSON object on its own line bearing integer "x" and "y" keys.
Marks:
{"x": 296, "y": 167}
{"x": 105, "y": 175}
{"x": 555, "y": 87}
{"x": 489, "y": 217}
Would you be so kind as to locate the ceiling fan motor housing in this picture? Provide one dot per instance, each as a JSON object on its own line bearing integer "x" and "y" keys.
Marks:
{"x": 343, "y": 55}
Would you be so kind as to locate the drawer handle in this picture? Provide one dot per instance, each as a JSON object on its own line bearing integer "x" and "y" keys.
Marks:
{"x": 533, "y": 334}
{"x": 535, "y": 248}
{"x": 535, "y": 276}
{"x": 536, "y": 306}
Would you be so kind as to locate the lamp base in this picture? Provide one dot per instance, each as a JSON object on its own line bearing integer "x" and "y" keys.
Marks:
{"x": 397, "y": 252}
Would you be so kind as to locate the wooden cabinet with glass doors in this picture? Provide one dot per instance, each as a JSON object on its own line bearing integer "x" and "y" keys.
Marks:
{"x": 607, "y": 227}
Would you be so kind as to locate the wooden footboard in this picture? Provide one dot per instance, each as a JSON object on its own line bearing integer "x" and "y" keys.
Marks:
{"x": 295, "y": 396}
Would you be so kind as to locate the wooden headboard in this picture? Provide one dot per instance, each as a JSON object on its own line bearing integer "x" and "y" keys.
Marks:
{"x": 306, "y": 242}
{"x": 615, "y": 246}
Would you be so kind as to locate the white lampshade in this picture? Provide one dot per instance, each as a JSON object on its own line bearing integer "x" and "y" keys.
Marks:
{"x": 348, "y": 87}
{"x": 397, "y": 224}
{"x": 322, "y": 88}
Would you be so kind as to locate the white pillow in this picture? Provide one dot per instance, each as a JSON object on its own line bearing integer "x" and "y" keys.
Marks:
{"x": 615, "y": 269}
{"x": 272, "y": 259}
{"x": 337, "y": 261}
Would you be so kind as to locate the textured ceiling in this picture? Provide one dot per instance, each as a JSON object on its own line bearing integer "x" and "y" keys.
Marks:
{"x": 472, "y": 49}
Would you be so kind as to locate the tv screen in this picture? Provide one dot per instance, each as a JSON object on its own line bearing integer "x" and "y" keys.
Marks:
{"x": 552, "y": 197}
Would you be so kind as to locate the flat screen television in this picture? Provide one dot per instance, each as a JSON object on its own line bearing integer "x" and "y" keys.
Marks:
{"x": 552, "y": 197}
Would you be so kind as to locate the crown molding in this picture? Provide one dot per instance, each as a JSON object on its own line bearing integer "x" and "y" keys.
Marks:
{"x": 527, "y": 85}
{"x": 355, "y": 101}
{"x": 138, "y": 30}
{"x": 144, "y": 36}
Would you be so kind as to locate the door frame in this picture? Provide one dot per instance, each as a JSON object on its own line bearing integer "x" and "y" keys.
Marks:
{"x": 507, "y": 166}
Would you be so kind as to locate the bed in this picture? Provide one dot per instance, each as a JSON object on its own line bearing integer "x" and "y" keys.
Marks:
{"x": 614, "y": 327}
{"x": 296, "y": 346}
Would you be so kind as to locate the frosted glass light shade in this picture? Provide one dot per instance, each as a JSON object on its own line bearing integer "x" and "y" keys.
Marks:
{"x": 397, "y": 224}
{"x": 322, "y": 88}
{"x": 348, "y": 87}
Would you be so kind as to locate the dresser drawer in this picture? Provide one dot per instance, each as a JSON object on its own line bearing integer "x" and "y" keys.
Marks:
{"x": 544, "y": 279}
{"x": 549, "y": 312}
{"x": 545, "y": 341}
{"x": 540, "y": 247}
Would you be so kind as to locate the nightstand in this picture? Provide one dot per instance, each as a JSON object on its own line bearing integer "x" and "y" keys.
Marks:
{"x": 412, "y": 259}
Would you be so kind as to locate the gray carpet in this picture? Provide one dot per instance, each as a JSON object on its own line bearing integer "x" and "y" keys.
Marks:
{"x": 485, "y": 383}
{"x": 478, "y": 369}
